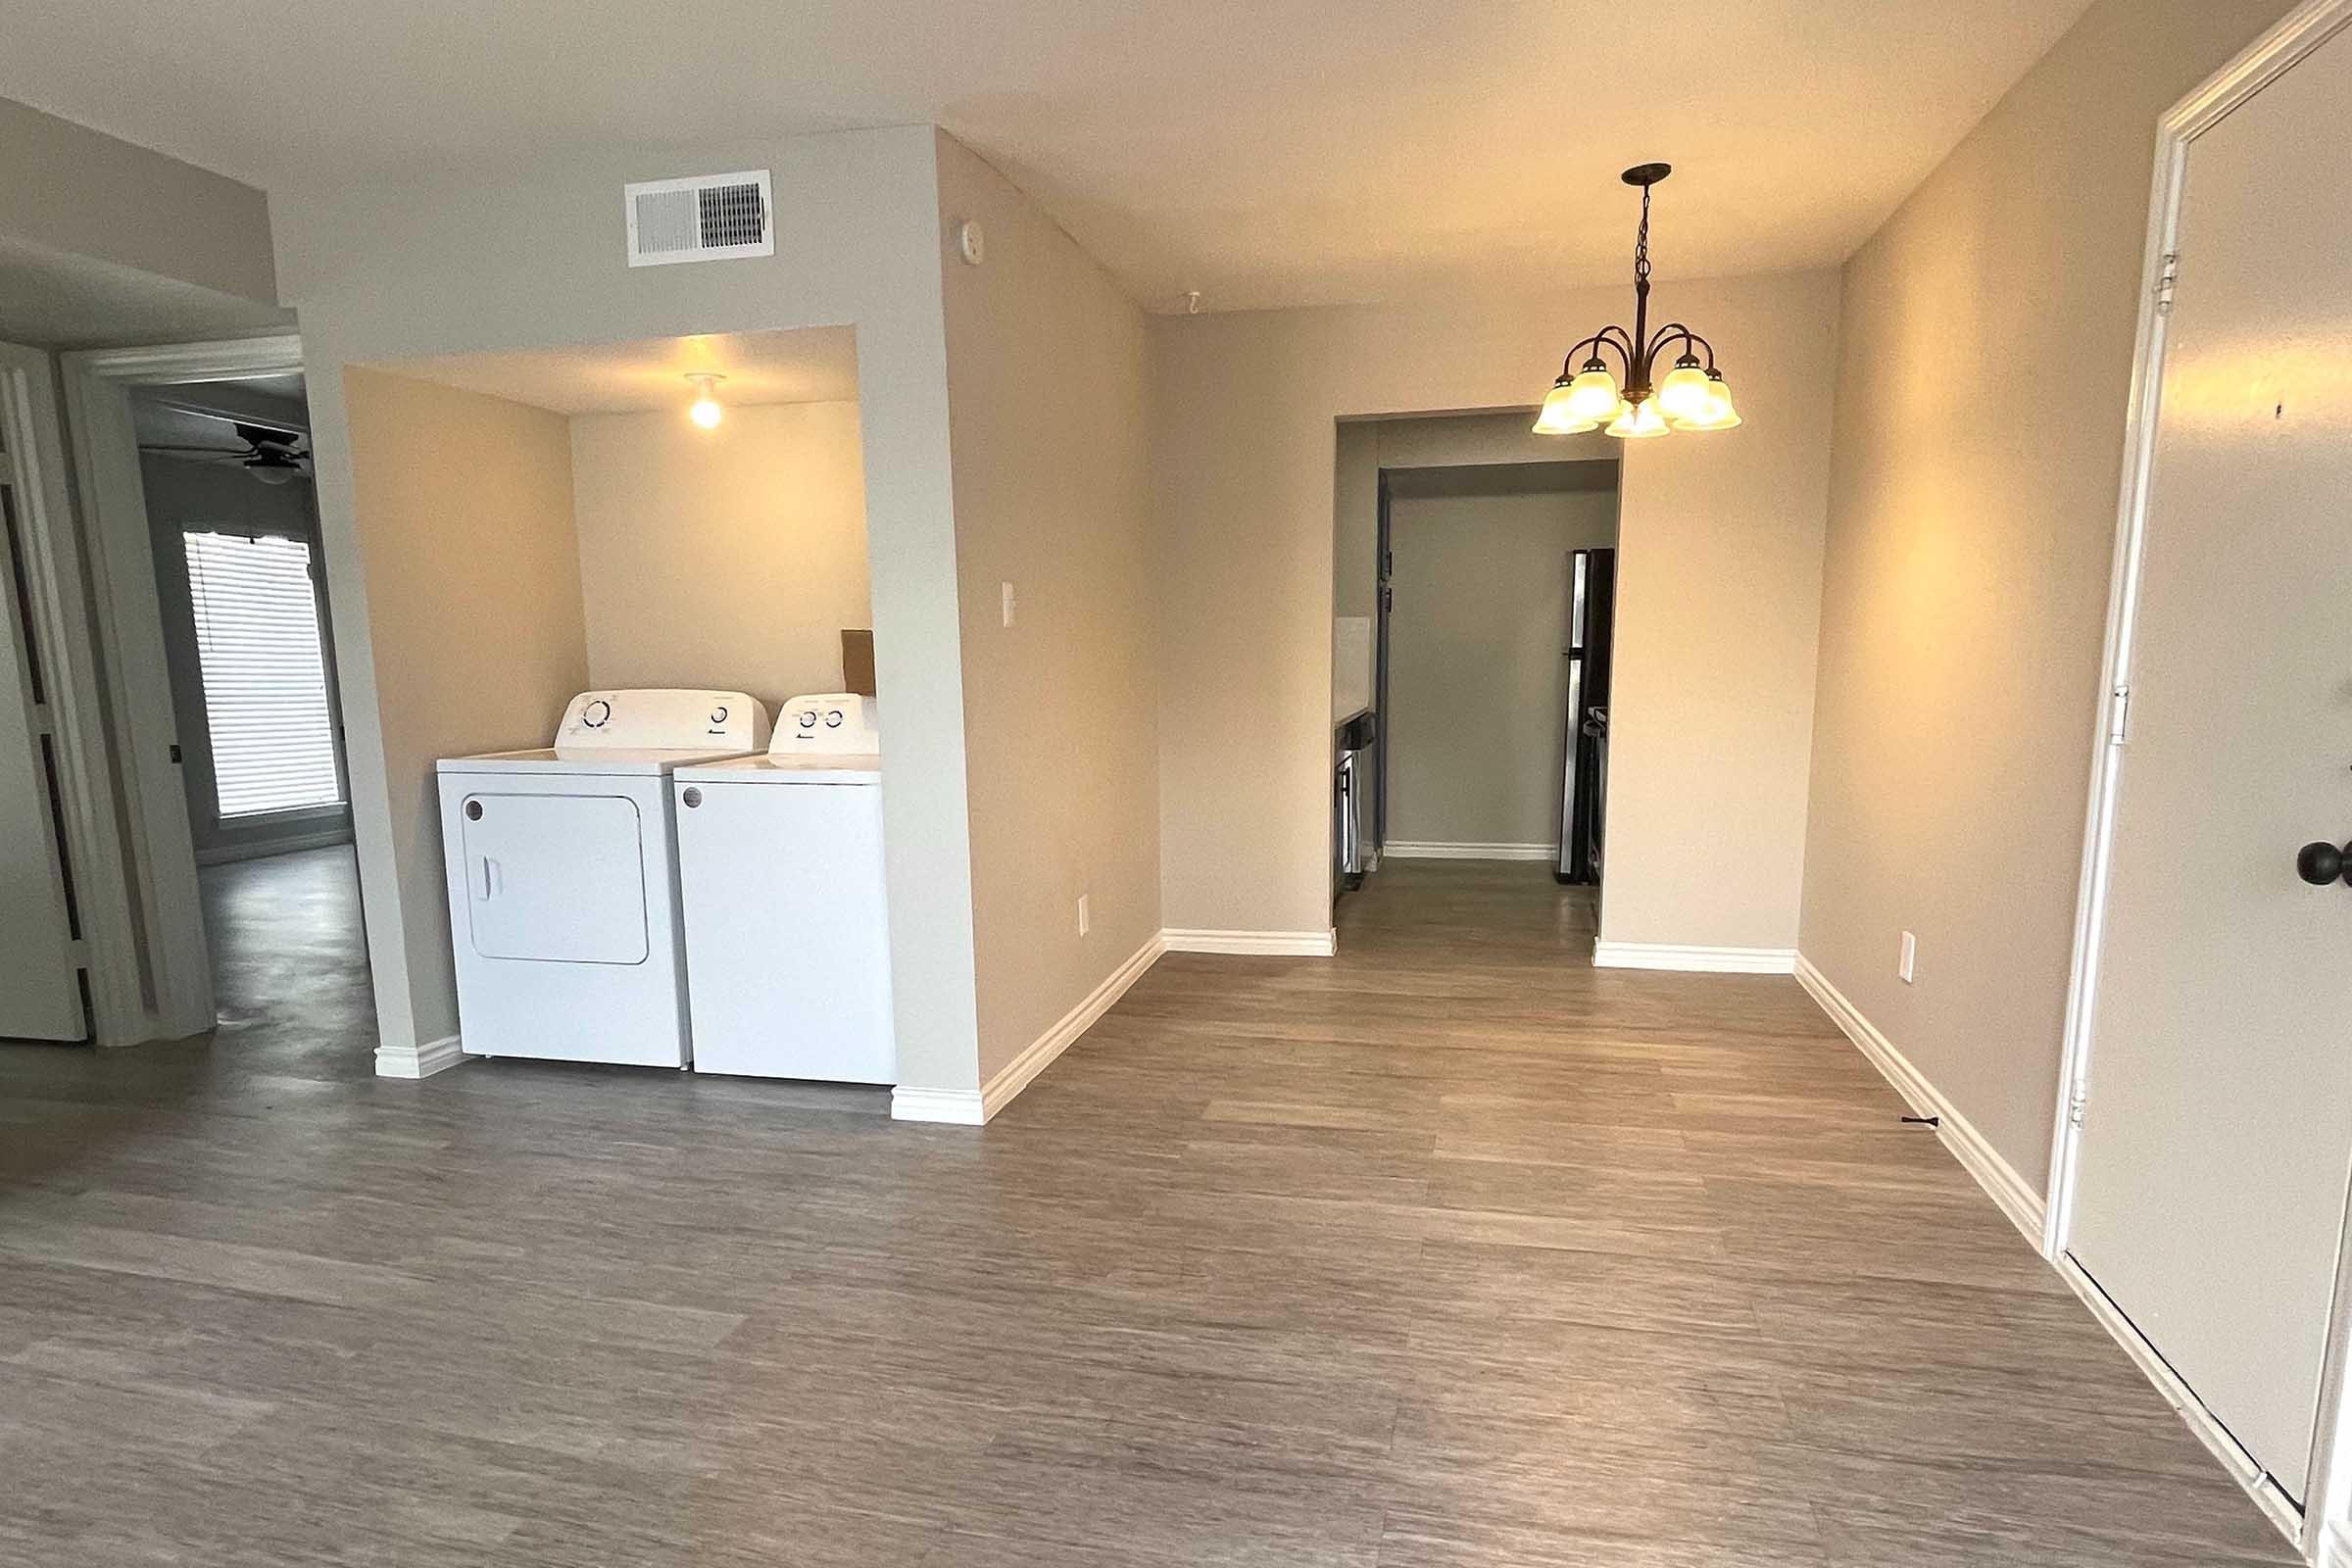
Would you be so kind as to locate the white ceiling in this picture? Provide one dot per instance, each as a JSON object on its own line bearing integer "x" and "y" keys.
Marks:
{"x": 1265, "y": 152}
{"x": 810, "y": 364}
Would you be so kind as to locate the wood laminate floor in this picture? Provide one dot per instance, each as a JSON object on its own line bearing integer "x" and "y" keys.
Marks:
{"x": 1451, "y": 1251}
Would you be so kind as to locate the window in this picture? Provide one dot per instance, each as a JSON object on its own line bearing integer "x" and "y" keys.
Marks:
{"x": 265, "y": 673}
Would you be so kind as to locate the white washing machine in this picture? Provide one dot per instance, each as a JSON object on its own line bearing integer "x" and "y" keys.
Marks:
{"x": 787, "y": 927}
{"x": 562, "y": 878}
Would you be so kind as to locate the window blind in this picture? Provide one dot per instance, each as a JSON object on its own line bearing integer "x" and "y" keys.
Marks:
{"x": 265, "y": 672}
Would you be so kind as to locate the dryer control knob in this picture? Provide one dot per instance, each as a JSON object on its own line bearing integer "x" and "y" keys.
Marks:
{"x": 596, "y": 712}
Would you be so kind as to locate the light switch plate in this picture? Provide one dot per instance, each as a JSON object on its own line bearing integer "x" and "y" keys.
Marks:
{"x": 1086, "y": 916}
{"x": 1007, "y": 604}
{"x": 1908, "y": 960}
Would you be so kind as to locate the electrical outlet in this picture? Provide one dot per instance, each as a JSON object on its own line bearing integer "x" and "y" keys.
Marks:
{"x": 1086, "y": 915}
{"x": 1007, "y": 604}
{"x": 1908, "y": 960}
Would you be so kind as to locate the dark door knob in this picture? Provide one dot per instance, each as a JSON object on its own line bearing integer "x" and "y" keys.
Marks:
{"x": 2322, "y": 864}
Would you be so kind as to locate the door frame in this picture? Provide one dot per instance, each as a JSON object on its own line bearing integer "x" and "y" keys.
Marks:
{"x": 160, "y": 854}
{"x": 2328, "y": 1499}
{"x": 61, "y": 630}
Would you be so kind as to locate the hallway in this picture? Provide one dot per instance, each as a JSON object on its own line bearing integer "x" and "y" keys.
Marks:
{"x": 1449, "y": 1250}
{"x": 290, "y": 959}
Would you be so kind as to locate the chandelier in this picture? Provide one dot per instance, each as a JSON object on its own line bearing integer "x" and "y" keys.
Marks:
{"x": 1692, "y": 396}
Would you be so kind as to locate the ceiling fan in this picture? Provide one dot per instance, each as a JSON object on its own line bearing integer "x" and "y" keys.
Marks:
{"x": 271, "y": 455}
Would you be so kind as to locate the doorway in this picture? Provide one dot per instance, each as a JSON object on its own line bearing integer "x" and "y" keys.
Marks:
{"x": 1474, "y": 562}
{"x": 247, "y": 638}
{"x": 2203, "y": 1146}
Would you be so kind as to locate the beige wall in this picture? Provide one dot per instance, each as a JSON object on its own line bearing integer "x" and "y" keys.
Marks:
{"x": 1046, "y": 375}
{"x": 1355, "y": 519}
{"x": 1478, "y": 689}
{"x": 1986, "y": 356}
{"x": 66, "y": 190}
{"x": 729, "y": 558}
{"x": 1719, "y": 596}
{"x": 1478, "y": 439}
{"x": 532, "y": 259}
{"x": 463, "y": 507}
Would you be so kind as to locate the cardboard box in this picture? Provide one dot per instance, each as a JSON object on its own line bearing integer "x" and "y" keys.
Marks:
{"x": 858, "y": 663}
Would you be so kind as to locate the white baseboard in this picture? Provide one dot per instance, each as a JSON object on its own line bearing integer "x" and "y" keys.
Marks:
{"x": 1271, "y": 944}
{"x": 1014, "y": 1076}
{"x": 970, "y": 1108}
{"x": 2241, "y": 1465}
{"x": 2014, "y": 1196}
{"x": 961, "y": 1107}
{"x": 1411, "y": 849}
{"x": 1693, "y": 960}
{"x": 418, "y": 1062}
{"x": 2025, "y": 1206}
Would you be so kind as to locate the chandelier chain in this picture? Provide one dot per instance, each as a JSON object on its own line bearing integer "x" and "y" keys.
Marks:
{"x": 1641, "y": 242}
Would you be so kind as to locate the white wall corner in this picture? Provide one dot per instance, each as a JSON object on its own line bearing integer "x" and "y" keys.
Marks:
{"x": 1040, "y": 1054}
{"x": 970, "y": 1108}
{"x": 418, "y": 1062}
{"x": 960, "y": 1107}
{"x": 2336, "y": 1545}
{"x": 1694, "y": 961}
{"x": 1260, "y": 944}
{"x": 2010, "y": 1191}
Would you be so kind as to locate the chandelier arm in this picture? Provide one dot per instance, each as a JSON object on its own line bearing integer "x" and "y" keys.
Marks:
{"x": 1621, "y": 342}
{"x": 1676, "y": 331}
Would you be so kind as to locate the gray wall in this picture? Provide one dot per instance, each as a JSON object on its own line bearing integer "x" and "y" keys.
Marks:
{"x": 105, "y": 242}
{"x": 1478, "y": 688}
{"x": 1971, "y": 527}
{"x": 1046, "y": 373}
{"x": 1720, "y": 582}
{"x": 183, "y": 495}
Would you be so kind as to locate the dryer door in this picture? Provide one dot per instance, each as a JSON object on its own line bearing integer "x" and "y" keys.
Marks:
{"x": 556, "y": 878}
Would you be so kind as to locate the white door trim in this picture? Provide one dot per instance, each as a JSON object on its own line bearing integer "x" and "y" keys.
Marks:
{"x": 160, "y": 858}
{"x": 2295, "y": 37}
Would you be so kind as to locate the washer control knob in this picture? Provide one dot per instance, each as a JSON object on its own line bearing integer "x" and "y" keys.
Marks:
{"x": 718, "y": 715}
{"x": 809, "y": 718}
{"x": 833, "y": 720}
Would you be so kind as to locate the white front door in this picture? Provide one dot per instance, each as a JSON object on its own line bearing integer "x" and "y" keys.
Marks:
{"x": 2218, "y": 1130}
{"x": 40, "y": 980}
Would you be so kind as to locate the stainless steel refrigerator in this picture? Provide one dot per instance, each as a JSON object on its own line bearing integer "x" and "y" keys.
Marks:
{"x": 1585, "y": 745}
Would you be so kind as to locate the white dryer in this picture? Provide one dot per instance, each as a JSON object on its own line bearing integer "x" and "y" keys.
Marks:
{"x": 562, "y": 878}
{"x": 787, "y": 926}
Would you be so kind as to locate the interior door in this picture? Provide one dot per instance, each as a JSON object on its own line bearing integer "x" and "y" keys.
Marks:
{"x": 2217, "y": 1126}
{"x": 40, "y": 979}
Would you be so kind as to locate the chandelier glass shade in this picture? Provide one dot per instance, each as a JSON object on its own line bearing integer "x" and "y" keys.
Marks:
{"x": 1692, "y": 395}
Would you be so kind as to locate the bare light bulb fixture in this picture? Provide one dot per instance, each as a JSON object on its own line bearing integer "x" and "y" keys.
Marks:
{"x": 706, "y": 411}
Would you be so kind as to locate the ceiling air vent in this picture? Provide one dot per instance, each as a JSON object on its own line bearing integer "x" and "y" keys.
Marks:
{"x": 707, "y": 218}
